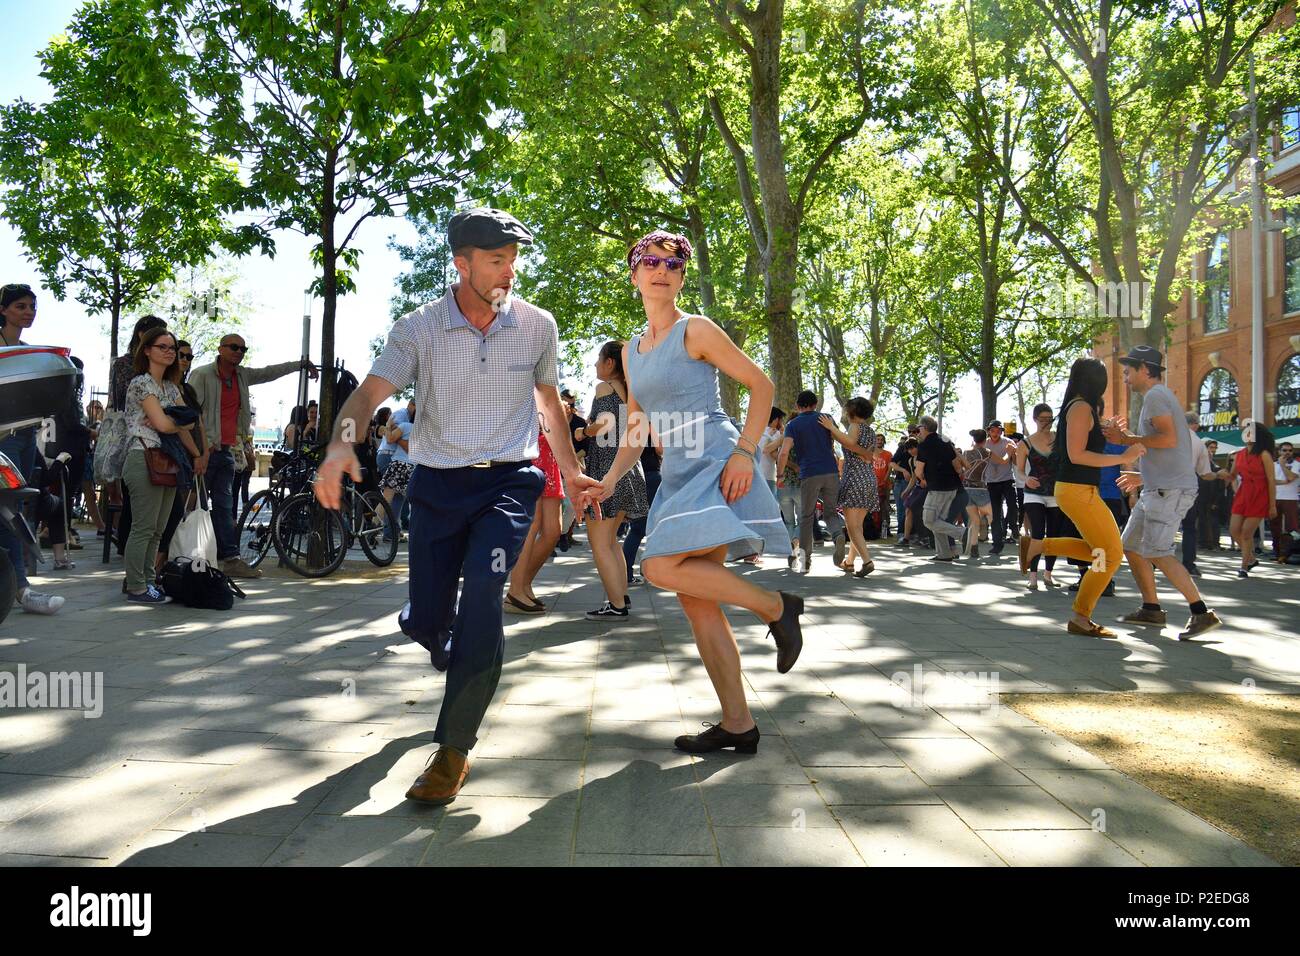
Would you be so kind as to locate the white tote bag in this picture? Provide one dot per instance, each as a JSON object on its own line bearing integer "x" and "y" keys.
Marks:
{"x": 195, "y": 537}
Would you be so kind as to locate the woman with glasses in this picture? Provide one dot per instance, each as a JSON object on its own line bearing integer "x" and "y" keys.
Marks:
{"x": 712, "y": 504}
{"x": 111, "y": 448}
{"x": 184, "y": 499}
{"x": 156, "y": 385}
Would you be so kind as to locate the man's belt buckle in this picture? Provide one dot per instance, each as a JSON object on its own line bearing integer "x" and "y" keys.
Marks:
{"x": 481, "y": 464}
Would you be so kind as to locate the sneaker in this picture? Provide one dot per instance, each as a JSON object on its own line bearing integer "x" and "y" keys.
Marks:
{"x": 238, "y": 568}
{"x": 1145, "y": 615}
{"x": 841, "y": 546}
{"x": 150, "y": 595}
{"x": 606, "y": 611}
{"x": 1199, "y": 624}
{"x": 65, "y": 565}
{"x": 635, "y": 581}
{"x": 34, "y": 602}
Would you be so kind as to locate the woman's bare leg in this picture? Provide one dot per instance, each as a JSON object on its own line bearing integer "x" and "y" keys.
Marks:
{"x": 520, "y": 580}
{"x": 855, "y": 522}
{"x": 92, "y": 506}
{"x": 546, "y": 525}
{"x": 719, "y": 653}
{"x": 610, "y": 563}
{"x": 698, "y": 575}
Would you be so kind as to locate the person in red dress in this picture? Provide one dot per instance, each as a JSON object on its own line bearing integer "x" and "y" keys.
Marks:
{"x": 542, "y": 536}
{"x": 1256, "y": 499}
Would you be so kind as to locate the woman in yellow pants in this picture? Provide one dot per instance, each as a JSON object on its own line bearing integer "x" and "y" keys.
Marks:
{"x": 1079, "y": 460}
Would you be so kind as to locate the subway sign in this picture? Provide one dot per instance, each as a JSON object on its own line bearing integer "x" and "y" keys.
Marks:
{"x": 1224, "y": 418}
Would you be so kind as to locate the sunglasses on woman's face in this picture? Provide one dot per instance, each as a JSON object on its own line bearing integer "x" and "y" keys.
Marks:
{"x": 188, "y": 356}
{"x": 674, "y": 263}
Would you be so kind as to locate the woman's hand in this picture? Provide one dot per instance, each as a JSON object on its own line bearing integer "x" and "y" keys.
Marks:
{"x": 825, "y": 422}
{"x": 1133, "y": 453}
{"x": 1128, "y": 482}
{"x": 1031, "y": 482}
{"x": 737, "y": 476}
{"x": 1272, "y": 512}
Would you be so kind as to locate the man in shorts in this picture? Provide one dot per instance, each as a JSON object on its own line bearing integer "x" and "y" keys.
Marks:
{"x": 1169, "y": 483}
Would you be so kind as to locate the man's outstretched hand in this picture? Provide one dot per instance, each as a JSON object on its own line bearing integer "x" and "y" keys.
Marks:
{"x": 329, "y": 477}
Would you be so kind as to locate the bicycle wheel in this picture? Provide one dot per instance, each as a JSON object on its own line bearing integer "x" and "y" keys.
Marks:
{"x": 311, "y": 538}
{"x": 374, "y": 519}
{"x": 255, "y": 536}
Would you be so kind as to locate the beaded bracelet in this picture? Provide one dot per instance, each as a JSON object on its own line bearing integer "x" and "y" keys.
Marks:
{"x": 740, "y": 451}
{"x": 750, "y": 440}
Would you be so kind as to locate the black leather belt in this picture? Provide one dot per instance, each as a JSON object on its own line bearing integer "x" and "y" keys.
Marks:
{"x": 498, "y": 464}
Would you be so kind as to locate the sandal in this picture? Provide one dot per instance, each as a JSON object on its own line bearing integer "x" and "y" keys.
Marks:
{"x": 65, "y": 565}
{"x": 1096, "y": 630}
{"x": 867, "y": 568}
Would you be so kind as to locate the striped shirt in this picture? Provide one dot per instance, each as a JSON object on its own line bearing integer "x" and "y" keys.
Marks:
{"x": 474, "y": 395}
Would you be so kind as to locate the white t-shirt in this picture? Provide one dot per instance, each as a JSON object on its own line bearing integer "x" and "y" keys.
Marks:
{"x": 766, "y": 464}
{"x": 1289, "y": 492}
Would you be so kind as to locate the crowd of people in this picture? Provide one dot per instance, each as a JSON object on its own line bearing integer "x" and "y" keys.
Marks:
{"x": 491, "y": 466}
{"x": 169, "y": 434}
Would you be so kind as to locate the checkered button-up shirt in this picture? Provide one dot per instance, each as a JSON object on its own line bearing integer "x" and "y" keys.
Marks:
{"x": 474, "y": 396}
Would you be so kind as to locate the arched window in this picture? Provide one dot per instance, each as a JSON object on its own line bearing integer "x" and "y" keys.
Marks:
{"x": 1218, "y": 407}
{"x": 1288, "y": 393}
{"x": 1217, "y": 285}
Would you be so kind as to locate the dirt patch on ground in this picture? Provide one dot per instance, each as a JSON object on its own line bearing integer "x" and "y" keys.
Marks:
{"x": 1232, "y": 759}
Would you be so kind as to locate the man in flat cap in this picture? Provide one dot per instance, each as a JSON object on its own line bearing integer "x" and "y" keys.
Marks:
{"x": 1169, "y": 483}
{"x": 483, "y": 363}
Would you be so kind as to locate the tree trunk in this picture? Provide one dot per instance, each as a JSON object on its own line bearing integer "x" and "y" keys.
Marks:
{"x": 115, "y": 318}
{"x": 728, "y": 388}
{"x": 780, "y": 258}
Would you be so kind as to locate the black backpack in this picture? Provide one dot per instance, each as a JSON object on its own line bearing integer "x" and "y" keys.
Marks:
{"x": 198, "y": 584}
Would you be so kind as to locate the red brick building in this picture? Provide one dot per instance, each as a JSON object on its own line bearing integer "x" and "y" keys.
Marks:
{"x": 1209, "y": 357}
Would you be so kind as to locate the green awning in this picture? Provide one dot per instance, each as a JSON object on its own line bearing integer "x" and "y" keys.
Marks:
{"x": 1229, "y": 439}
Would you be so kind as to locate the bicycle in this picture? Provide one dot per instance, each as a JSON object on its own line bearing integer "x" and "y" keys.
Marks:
{"x": 291, "y": 473}
{"x": 314, "y": 540}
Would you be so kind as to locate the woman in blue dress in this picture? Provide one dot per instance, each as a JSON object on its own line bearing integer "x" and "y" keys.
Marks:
{"x": 711, "y": 504}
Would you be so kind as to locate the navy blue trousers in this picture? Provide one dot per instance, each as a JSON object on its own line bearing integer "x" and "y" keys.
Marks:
{"x": 466, "y": 523}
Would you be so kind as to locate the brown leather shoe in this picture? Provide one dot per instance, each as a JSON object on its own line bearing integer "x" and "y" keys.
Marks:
{"x": 441, "y": 779}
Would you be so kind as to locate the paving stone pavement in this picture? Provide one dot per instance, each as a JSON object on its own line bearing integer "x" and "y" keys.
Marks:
{"x": 287, "y": 731}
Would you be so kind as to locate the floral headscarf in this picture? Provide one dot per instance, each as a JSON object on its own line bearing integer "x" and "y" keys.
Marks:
{"x": 659, "y": 237}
